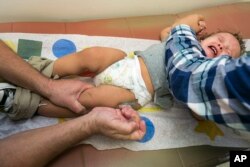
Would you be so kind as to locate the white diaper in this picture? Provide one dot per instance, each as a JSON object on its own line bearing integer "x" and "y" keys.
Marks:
{"x": 126, "y": 73}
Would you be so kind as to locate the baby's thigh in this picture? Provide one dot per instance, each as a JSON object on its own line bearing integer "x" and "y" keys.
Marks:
{"x": 102, "y": 57}
{"x": 106, "y": 95}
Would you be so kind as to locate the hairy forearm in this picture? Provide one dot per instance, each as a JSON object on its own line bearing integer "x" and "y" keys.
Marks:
{"x": 37, "y": 147}
{"x": 19, "y": 72}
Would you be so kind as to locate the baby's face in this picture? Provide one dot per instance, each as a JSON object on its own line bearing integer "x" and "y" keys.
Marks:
{"x": 219, "y": 44}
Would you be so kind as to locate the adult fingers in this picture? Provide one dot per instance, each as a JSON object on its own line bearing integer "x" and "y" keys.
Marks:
{"x": 77, "y": 107}
{"x": 143, "y": 127}
{"x": 135, "y": 135}
{"x": 125, "y": 127}
{"x": 138, "y": 134}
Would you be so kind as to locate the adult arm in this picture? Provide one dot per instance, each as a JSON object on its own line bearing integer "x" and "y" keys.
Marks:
{"x": 15, "y": 70}
{"x": 37, "y": 147}
{"x": 215, "y": 89}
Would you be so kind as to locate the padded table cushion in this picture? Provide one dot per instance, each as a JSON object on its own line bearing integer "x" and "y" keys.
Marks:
{"x": 233, "y": 17}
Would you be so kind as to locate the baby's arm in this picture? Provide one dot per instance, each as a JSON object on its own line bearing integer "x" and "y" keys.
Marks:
{"x": 195, "y": 21}
{"x": 165, "y": 33}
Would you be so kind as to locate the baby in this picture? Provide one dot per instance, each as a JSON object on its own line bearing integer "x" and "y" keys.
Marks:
{"x": 135, "y": 78}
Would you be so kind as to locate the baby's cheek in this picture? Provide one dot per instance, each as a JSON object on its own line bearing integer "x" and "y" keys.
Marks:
{"x": 208, "y": 54}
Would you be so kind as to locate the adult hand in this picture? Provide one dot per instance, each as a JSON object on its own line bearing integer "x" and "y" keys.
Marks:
{"x": 65, "y": 92}
{"x": 50, "y": 141}
{"x": 124, "y": 123}
{"x": 196, "y": 21}
{"x": 61, "y": 92}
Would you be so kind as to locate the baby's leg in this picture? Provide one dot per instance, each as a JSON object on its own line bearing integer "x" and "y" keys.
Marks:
{"x": 106, "y": 95}
{"x": 103, "y": 95}
{"x": 94, "y": 59}
{"x": 49, "y": 109}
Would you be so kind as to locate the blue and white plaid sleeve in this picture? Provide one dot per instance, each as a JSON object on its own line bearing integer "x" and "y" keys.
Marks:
{"x": 217, "y": 89}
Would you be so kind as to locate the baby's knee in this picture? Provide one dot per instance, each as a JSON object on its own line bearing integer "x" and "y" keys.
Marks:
{"x": 93, "y": 51}
{"x": 94, "y": 57}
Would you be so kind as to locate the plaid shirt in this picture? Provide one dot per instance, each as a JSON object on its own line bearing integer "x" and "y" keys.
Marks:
{"x": 216, "y": 89}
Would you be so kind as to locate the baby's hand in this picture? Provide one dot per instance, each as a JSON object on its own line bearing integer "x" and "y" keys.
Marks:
{"x": 164, "y": 33}
{"x": 202, "y": 32}
{"x": 203, "y": 27}
{"x": 195, "y": 21}
{"x": 127, "y": 110}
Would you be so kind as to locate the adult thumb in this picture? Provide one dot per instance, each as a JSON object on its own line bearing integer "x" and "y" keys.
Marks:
{"x": 78, "y": 108}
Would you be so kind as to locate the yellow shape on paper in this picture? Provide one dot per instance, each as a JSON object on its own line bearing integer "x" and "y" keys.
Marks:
{"x": 131, "y": 55}
{"x": 209, "y": 128}
{"x": 61, "y": 120}
{"x": 150, "y": 109}
{"x": 11, "y": 45}
{"x": 85, "y": 47}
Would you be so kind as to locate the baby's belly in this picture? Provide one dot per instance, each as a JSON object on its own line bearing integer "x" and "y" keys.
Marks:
{"x": 146, "y": 76}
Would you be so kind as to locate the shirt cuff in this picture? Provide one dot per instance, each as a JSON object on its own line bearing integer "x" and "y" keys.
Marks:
{"x": 182, "y": 27}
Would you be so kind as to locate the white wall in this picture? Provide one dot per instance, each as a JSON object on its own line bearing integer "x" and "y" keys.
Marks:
{"x": 75, "y": 10}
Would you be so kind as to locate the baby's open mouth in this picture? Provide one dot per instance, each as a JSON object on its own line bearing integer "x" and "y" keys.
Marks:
{"x": 214, "y": 50}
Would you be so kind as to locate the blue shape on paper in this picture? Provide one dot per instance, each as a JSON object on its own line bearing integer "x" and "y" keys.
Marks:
{"x": 150, "y": 130}
{"x": 63, "y": 47}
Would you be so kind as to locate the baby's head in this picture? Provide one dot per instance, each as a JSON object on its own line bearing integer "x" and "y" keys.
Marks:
{"x": 223, "y": 43}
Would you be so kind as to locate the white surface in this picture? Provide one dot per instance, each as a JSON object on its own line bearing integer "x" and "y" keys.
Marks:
{"x": 173, "y": 128}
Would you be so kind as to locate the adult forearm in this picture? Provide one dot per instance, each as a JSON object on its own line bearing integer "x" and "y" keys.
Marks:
{"x": 37, "y": 147}
{"x": 15, "y": 70}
